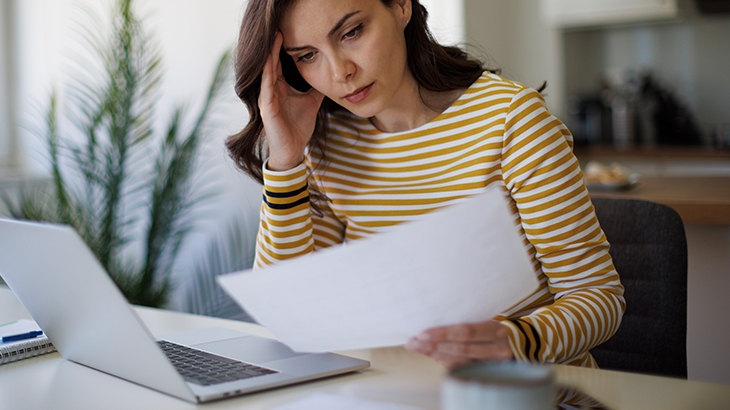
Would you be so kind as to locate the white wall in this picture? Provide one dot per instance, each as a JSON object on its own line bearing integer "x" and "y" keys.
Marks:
{"x": 515, "y": 37}
{"x": 192, "y": 35}
{"x": 446, "y": 20}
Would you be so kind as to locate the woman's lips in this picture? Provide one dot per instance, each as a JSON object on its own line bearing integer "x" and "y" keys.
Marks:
{"x": 359, "y": 94}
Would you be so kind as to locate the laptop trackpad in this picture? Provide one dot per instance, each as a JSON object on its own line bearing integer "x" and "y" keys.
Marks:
{"x": 251, "y": 349}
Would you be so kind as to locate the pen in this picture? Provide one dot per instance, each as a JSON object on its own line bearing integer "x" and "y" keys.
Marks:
{"x": 22, "y": 336}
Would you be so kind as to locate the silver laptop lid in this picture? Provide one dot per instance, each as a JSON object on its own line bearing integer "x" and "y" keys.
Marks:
{"x": 67, "y": 291}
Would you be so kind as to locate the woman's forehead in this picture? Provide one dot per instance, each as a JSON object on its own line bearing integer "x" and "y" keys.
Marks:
{"x": 321, "y": 12}
{"x": 305, "y": 19}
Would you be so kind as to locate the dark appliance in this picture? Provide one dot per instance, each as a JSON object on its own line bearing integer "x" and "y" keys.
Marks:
{"x": 713, "y": 6}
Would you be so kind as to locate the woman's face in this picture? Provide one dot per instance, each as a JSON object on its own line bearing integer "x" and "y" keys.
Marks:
{"x": 352, "y": 51}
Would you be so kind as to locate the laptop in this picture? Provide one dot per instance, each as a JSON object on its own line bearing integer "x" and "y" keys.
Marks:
{"x": 74, "y": 301}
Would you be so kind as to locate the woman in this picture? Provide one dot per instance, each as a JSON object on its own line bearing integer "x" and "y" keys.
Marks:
{"x": 395, "y": 126}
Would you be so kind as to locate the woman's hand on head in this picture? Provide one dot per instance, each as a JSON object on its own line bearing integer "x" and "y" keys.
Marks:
{"x": 289, "y": 116}
{"x": 463, "y": 343}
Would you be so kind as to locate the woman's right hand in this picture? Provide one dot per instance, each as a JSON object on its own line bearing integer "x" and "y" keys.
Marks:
{"x": 289, "y": 116}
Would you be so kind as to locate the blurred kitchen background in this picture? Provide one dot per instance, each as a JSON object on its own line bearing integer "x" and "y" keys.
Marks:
{"x": 643, "y": 83}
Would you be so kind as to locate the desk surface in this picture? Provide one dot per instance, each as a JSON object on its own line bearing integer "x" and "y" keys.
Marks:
{"x": 396, "y": 375}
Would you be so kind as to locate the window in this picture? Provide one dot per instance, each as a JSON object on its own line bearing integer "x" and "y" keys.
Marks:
{"x": 8, "y": 146}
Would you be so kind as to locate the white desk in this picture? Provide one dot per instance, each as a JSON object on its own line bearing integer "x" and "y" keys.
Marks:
{"x": 50, "y": 382}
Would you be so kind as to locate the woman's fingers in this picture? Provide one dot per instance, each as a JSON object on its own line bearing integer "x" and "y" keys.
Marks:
{"x": 458, "y": 344}
{"x": 275, "y": 49}
{"x": 473, "y": 350}
{"x": 420, "y": 346}
{"x": 483, "y": 331}
{"x": 266, "y": 84}
{"x": 492, "y": 351}
{"x": 269, "y": 74}
{"x": 289, "y": 117}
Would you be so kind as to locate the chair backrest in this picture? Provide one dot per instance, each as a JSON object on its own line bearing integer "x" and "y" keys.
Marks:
{"x": 649, "y": 250}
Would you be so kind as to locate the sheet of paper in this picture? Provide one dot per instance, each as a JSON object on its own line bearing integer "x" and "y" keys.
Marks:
{"x": 19, "y": 326}
{"x": 323, "y": 401}
{"x": 464, "y": 263}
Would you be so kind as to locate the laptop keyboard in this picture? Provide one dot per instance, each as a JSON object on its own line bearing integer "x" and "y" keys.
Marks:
{"x": 206, "y": 369}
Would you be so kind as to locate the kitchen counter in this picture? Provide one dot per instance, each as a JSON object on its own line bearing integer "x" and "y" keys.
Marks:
{"x": 698, "y": 200}
{"x": 695, "y": 181}
{"x": 666, "y": 152}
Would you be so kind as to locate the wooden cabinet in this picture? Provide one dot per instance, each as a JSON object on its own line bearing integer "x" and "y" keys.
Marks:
{"x": 587, "y": 13}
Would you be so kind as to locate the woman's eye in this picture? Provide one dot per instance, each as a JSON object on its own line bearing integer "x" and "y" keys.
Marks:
{"x": 306, "y": 58}
{"x": 353, "y": 33}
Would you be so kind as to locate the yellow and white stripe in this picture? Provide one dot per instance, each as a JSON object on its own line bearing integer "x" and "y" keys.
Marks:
{"x": 498, "y": 133}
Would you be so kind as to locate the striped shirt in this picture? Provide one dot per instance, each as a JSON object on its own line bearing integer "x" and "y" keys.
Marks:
{"x": 498, "y": 133}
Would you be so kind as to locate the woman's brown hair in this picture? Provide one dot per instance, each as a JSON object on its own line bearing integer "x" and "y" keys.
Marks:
{"x": 435, "y": 67}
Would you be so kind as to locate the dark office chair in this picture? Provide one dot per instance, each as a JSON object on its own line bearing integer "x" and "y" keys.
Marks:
{"x": 649, "y": 250}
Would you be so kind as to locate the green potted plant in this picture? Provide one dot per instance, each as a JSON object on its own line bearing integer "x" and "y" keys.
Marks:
{"x": 122, "y": 184}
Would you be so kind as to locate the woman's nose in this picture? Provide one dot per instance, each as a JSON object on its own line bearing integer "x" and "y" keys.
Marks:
{"x": 343, "y": 69}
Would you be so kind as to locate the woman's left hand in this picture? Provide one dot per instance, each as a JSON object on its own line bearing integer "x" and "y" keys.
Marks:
{"x": 460, "y": 344}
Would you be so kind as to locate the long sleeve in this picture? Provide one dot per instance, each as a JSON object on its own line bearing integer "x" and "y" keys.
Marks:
{"x": 498, "y": 133}
{"x": 544, "y": 179}
{"x": 288, "y": 227}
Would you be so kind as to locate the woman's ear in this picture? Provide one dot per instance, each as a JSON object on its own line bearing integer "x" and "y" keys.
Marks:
{"x": 405, "y": 10}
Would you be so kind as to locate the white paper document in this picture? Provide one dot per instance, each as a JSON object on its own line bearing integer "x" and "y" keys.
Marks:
{"x": 464, "y": 263}
{"x": 324, "y": 401}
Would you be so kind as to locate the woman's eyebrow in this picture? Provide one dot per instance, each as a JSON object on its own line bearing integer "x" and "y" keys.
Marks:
{"x": 341, "y": 23}
{"x": 336, "y": 27}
